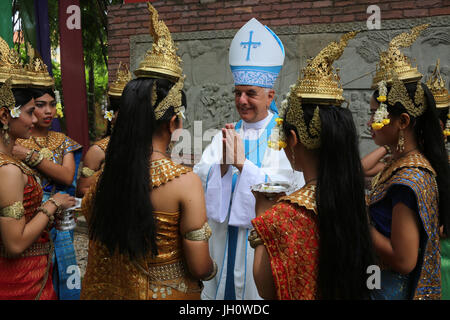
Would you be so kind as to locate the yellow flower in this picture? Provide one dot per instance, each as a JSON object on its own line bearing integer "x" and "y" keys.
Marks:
{"x": 282, "y": 144}
{"x": 386, "y": 121}
{"x": 279, "y": 121}
{"x": 377, "y": 126}
{"x": 59, "y": 111}
{"x": 446, "y": 133}
{"x": 381, "y": 99}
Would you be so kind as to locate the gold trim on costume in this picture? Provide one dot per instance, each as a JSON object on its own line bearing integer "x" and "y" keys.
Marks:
{"x": 16, "y": 211}
{"x": 202, "y": 234}
{"x": 36, "y": 249}
{"x": 414, "y": 160}
{"x": 51, "y": 142}
{"x": 6, "y": 159}
{"x": 164, "y": 170}
{"x": 103, "y": 143}
{"x": 305, "y": 197}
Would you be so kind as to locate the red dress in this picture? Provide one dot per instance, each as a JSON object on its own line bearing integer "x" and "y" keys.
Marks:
{"x": 290, "y": 234}
{"x": 22, "y": 278}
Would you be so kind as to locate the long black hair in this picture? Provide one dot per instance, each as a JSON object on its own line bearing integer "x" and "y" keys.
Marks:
{"x": 442, "y": 115}
{"x": 345, "y": 246}
{"x": 429, "y": 137}
{"x": 122, "y": 216}
{"x": 22, "y": 96}
{"x": 39, "y": 92}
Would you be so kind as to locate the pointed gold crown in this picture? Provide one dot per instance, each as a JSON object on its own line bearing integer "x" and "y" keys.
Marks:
{"x": 162, "y": 60}
{"x": 394, "y": 60}
{"x": 437, "y": 87}
{"x": 37, "y": 70}
{"x": 319, "y": 83}
{"x": 11, "y": 66}
{"x": 123, "y": 76}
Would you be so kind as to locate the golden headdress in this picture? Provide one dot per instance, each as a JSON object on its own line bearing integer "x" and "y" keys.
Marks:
{"x": 394, "y": 70}
{"x": 437, "y": 87}
{"x": 123, "y": 76}
{"x": 319, "y": 85}
{"x": 162, "y": 60}
{"x": 394, "y": 60}
{"x": 6, "y": 96}
{"x": 11, "y": 66}
{"x": 37, "y": 70}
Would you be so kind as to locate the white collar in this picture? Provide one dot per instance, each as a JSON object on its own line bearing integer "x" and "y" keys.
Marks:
{"x": 257, "y": 125}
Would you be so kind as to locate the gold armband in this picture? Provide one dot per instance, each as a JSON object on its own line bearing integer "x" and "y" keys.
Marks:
{"x": 16, "y": 211}
{"x": 202, "y": 234}
{"x": 87, "y": 172}
{"x": 254, "y": 239}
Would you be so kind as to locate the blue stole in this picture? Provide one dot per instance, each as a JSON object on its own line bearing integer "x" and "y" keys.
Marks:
{"x": 64, "y": 256}
{"x": 250, "y": 146}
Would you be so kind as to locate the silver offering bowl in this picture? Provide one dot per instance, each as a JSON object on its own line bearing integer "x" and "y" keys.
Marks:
{"x": 272, "y": 189}
{"x": 66, "y": 220}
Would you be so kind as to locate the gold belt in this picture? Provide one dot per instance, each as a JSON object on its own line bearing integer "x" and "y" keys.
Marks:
{"x": 164, "y": 272}
{"x": 36, "y": 249}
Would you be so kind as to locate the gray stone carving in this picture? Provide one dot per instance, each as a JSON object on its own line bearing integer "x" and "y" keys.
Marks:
{"x": 209, "y": 82}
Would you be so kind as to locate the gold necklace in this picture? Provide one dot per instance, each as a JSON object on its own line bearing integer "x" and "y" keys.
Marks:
{"x": 45, "y": 151}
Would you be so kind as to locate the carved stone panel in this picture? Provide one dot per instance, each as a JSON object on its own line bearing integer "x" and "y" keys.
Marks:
{"x": 209, "y": 81}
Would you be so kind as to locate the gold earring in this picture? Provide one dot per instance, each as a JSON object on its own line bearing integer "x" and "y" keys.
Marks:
{"x": 401, "y": 142}
{"x": 6, "y": 138}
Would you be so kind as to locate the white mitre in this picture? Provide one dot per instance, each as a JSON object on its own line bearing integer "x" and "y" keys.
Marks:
{"x": 256, "y": 55}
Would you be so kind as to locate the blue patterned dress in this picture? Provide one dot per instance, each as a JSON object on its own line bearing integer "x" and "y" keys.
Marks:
{"x": 410, "y": 180}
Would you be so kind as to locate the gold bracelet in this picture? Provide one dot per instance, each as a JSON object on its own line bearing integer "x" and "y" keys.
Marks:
{"x": 57, "y": 205}
{"x": 33, "y": 163}
{"x": 212, "y": 274}
{"x": 28, "y": 156}
{"x": 87, "y": 172}
{"x": 254, "y": 239}
{"x": 51, "y": 218}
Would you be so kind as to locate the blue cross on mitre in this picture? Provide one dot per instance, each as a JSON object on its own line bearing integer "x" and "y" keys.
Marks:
{"x": 249, "y": 44}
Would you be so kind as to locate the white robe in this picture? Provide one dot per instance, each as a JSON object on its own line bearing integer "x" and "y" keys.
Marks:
{"x": 274, "y": 167}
